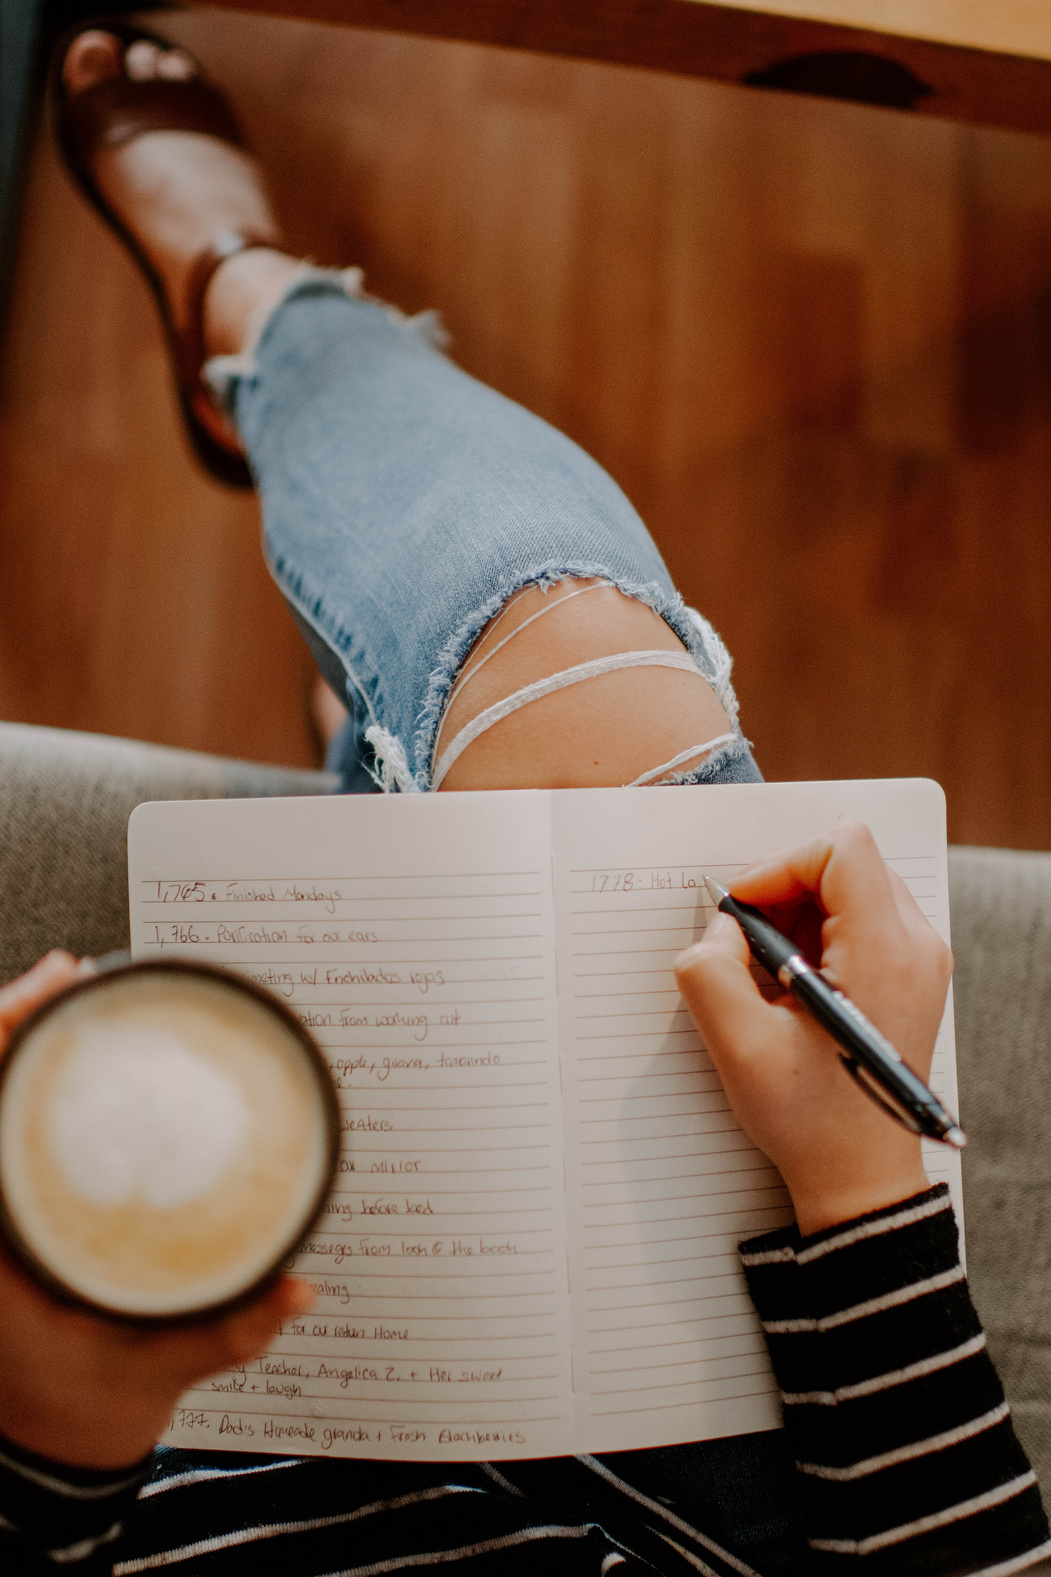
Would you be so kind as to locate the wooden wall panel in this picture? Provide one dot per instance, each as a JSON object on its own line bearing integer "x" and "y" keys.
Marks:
{"x": 811, "y": 340}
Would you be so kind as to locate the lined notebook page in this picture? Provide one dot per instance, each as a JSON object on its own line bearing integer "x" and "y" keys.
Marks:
{"x": 414, "y": 938}
{"x": 531, "y": 1249}
{"x": 663, "y": 1183}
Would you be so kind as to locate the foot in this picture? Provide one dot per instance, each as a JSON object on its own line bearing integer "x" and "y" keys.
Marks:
{"x": 176, "y": 191}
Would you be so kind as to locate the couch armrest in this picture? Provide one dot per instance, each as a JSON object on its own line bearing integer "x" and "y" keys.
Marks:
{"x": 1000, "y": 902}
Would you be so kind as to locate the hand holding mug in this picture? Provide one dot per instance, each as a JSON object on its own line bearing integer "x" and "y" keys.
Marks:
{"x": 92, "y": 1391}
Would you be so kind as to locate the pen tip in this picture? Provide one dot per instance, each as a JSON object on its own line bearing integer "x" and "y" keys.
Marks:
{"x": 715, "y": 892}
{"x": 955, "y": 1136}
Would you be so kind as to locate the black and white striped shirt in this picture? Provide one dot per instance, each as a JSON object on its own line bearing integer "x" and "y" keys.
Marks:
{"x": 905, "y": 1461}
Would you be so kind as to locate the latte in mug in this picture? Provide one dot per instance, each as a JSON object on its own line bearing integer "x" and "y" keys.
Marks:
{"x": 168, "y": 1134}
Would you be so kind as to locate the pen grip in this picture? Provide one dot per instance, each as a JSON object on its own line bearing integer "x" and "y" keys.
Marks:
{"x": 863, "y": 1041}
{"x": 765, "y": 941}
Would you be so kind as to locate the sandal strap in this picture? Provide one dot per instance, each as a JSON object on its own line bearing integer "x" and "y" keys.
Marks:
{"x": 114, "y": 113}
{"x": 189, "y": 346}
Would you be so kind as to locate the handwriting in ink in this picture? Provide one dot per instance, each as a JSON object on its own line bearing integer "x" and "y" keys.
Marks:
{"x": 649, "y": 881}
{"x": 245, "y": 892}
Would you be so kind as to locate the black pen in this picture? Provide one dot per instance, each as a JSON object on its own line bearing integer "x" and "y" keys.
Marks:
{"x": 868, "y": 1056}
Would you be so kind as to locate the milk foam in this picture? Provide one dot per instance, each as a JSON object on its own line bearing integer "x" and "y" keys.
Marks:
{"x": 138, "y": 1113}
{"x": 164, "y": 1141}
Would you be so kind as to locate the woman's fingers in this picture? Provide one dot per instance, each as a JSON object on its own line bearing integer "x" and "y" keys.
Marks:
{"x": 915, "y": 921}
{"x": 844, "y": 870}
{"x": 247, "y": 1332}
{"x": 18, "y": 998}
{"x": 723, "y": 999}
{"x": 251, "y": 1329}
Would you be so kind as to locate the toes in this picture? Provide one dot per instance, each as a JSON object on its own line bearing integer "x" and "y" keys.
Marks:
{"x": 140, "y": 60}
{"x": 144, "y": 61}
{"x": 96, "y": 56}
{"x": 93, "y": 57}
{"x": 176, "y": 66}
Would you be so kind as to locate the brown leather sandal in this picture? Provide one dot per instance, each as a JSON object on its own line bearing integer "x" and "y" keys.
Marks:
{"x": 110, "y": 115}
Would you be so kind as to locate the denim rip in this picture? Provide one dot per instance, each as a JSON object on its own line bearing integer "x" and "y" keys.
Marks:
{"x": 296, "y": 351}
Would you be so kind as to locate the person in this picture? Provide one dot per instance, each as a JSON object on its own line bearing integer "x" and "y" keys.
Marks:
{"x": 496, "y": 616}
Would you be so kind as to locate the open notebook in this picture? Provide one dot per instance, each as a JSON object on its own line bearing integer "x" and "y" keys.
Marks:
{"x": 531, "y": 1249}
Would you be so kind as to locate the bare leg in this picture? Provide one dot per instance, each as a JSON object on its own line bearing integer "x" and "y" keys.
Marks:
{"x": 603, "y": 733}
{"x": 326, "y": 710}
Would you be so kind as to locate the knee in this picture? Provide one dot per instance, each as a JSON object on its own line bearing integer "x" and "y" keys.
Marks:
{"x": 605, "y": 731}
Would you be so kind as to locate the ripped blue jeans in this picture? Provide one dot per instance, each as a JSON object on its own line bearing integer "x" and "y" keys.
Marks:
{"x": 403, "y": 504}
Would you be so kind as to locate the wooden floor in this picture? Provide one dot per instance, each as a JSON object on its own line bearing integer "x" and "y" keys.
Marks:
{"x": 812, "y": 341}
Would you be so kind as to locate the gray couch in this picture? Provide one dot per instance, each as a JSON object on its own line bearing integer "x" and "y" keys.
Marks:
{"x": 64, "y": 806}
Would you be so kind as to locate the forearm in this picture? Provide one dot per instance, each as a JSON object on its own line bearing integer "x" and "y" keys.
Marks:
{"x": 55, "y": 1518}
{"x": 896, "y": 1417}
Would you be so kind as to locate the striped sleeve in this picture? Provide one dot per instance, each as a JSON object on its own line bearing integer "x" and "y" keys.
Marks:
{"x": 55, "y": 1518}
{"x": 895, "y": 1415}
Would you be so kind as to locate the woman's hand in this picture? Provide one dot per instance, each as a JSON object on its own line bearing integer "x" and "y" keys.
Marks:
{"x": 839, "y": 1155}
{"x": 95, "y": 1392}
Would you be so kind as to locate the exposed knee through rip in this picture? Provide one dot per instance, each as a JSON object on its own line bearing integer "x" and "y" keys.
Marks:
{"x": 576, "y": 686}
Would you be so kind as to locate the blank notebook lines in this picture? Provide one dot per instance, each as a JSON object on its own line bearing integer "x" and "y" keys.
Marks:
{"x": 531, "y": 1245}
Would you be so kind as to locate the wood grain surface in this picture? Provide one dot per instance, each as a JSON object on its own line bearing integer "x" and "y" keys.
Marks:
{"x": 811, "y": 340}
